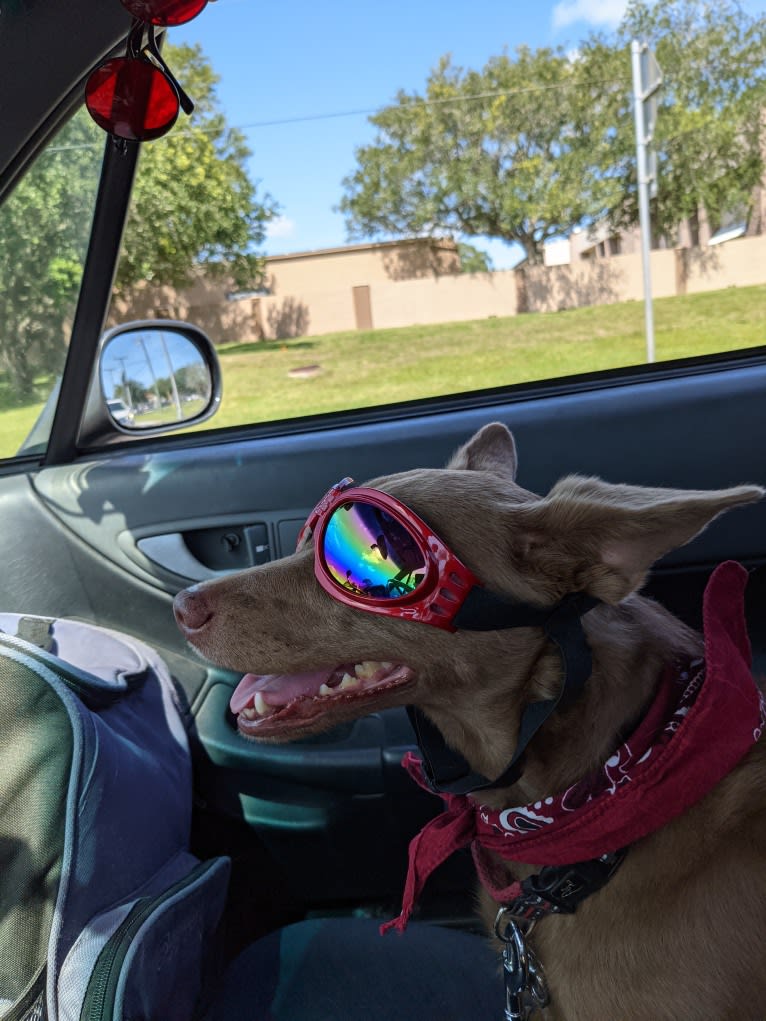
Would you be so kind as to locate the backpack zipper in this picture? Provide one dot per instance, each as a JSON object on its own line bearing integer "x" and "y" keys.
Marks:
{"x": 98, "y": 1002}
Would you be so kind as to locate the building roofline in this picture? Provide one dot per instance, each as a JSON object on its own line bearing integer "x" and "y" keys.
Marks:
{"x": 446, "y": 243}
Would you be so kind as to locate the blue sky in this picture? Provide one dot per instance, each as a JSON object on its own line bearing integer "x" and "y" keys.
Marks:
{"x": 279, "y": 62}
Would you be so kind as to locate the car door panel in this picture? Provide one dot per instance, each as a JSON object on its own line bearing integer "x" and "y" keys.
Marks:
{"x": 685, "y": 430}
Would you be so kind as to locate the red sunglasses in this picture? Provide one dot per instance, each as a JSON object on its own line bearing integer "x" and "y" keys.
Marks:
{"x": 373, "y": 553}
{"x": 136, "y": 97}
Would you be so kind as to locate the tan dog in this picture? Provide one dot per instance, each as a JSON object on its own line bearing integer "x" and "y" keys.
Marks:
{"x": 679, "y": 932}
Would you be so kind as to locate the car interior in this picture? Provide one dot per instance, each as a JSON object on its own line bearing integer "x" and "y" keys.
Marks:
{"x": 106, "y": 524}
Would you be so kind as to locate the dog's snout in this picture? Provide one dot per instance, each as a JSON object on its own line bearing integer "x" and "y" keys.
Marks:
{"x": 192, "y": 609}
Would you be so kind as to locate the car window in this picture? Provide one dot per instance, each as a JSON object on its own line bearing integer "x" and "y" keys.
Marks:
{"x": 469, "y": 219}
{"x": 44, "y": 227}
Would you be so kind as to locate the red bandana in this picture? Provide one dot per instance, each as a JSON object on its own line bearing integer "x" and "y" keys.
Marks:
{"x": 704, "y": 718}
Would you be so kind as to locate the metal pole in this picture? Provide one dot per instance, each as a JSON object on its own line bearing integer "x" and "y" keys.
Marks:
{"x": 142, "y": 342}
{"x": 125, "y": 384}
{"x": 176, "y": 399}
{"x": 643, "y": 196}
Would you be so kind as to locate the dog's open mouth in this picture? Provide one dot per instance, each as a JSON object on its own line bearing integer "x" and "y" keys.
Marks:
{"x": 265, "y": 703}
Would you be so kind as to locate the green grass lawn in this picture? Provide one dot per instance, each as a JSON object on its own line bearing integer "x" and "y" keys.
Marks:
{"x": 365, "y": 368}
{"x": 359, "y": 369}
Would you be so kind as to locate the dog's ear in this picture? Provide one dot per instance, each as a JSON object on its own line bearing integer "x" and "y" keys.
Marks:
{"x": 490, "y": 449}
{"x": 606, "y": 537}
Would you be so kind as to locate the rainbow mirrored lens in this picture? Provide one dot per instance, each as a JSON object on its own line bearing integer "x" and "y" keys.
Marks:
{"x": 368, "y": 552}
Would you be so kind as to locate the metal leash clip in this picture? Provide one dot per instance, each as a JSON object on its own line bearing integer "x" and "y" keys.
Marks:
{"x": 525, "y": 986}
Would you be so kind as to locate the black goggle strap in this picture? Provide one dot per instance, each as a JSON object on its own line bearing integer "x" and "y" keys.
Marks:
{"x": 446, "y": 771}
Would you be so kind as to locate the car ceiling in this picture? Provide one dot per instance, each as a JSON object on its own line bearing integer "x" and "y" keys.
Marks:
{"x": 44, "y": 46}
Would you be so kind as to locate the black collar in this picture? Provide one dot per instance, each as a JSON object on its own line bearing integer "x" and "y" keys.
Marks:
{"x": 445, "y": 770}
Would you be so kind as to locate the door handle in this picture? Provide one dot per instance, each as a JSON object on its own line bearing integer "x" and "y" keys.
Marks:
{"x": 170, "y": 552}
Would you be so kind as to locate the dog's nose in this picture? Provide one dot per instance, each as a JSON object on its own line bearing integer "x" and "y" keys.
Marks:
{"x": 192, "y": 609}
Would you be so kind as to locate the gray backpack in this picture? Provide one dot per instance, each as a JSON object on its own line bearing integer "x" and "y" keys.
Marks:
{"x": 104, "y": 913}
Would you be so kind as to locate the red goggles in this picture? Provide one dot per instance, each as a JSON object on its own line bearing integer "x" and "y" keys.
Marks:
{"x": 136, "y": 97}
{"x": 373, "y": 553}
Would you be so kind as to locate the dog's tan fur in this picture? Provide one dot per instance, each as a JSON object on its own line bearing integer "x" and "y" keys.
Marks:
{"x": 680, "y": 931}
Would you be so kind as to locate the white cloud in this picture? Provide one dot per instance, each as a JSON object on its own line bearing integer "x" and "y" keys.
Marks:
{"x": 280, "y": 228}
{"x": 594, "y": 12}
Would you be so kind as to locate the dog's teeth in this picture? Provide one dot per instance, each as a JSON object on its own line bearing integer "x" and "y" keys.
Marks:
{"x": 349, "y": 682}
{"x": 261, "y": 706}
{"x": 324, "y": 690}
{"x": 249, "y": 714}
{"x": 386, "y": 665}
{"x": 366, "y": 669}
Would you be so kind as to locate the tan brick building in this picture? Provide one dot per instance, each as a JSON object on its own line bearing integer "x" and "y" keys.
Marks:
{"x": 311, "y": 292}
{"x": 403, "y": 283}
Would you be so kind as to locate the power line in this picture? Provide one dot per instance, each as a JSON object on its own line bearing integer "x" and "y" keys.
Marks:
{"x": 661, "y": 142}
{"x": 369, "y": 111}
{"x": 418, "y": 101}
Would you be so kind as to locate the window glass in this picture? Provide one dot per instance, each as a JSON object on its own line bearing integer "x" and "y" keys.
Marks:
{"x": 44, "y": 229}
{"x": 353, "y": 230}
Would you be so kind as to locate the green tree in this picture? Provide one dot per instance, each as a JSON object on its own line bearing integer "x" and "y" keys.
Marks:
{"x": 164, "y": 388}
{"x": 194, "y": 205}
{"x": 710, "y": 127}
{"x": 131, "y": 391}
{"x": 537, "y": 144}
{"x": 472, "y": 259}
{"x": 44, "y": 227}
{"x": 512, "y": 151}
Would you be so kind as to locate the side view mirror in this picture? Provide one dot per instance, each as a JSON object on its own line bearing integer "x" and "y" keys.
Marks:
{"x": 176, "y": 382}
{"x": 158, "y": 375}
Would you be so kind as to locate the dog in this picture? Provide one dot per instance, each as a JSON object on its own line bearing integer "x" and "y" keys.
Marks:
{"x": 677, "y": 928}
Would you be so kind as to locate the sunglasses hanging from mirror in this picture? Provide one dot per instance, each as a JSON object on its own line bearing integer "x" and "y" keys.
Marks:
{"x": 136, "y": 98}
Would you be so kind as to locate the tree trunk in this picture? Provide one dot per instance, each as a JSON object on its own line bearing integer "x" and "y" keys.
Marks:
{"x": 533, "y": 250}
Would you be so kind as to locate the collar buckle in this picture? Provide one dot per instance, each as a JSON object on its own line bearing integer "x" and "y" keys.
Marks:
{"x": 563, "y": 887}
{"x": 556, "y": 890}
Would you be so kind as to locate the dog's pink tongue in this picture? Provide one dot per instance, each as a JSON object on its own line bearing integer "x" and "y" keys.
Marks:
{"x": 277, "y": 689}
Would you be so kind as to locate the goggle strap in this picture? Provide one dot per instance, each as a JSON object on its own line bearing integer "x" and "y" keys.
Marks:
{"x": 564, "y": 628}
{"x": 446, "y": 771}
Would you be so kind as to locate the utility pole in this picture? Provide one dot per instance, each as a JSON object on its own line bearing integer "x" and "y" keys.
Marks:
{"x": 176, "y": 399}
{"x": 142, "y": 342}
{"x": 647, "y": 79}
{"x": 125, "y": 384}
